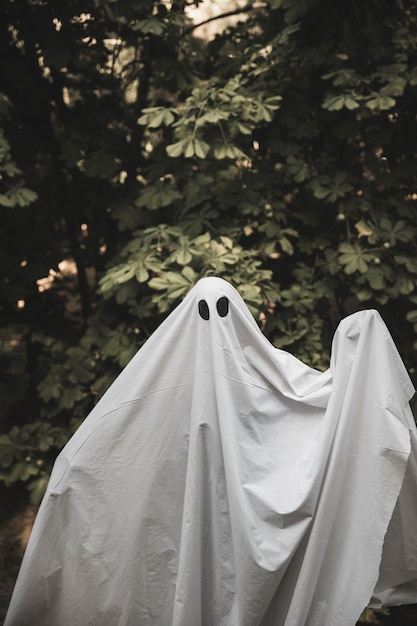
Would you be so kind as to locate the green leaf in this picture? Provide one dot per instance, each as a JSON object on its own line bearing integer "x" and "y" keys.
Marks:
{"x": 201, "y": 148}
{"x": 337, "y": 103}
{"x": 154, "y": 117}
{"x": 286, "y": 245}
{"x": 175, "y": 150}
{"x": 159, "y": 195}
{"x": 189, "y": 148}
{"x": 150, "y": 25}
{"x": 100, "y": 165}
{"x": 119, "y": 274}
{"x": 19, "y": 196}
{"x": 245, "y": 129}
{"x": 175, "y": 284}
{"x": 189, "y": 274}
{"x": 298, "y": 168}
{"x": 213, "y": 117}
{"x": 353, "y": 258}
{"x": 411, "y": 316}
{"x": 37, "y": 489}
{"x": 276, "y": 4}
{"x": 376, "y": 279}
{"x": 6, "y": 200}
{"x": 380, "y": 102}
{"x": 141, "y": 273}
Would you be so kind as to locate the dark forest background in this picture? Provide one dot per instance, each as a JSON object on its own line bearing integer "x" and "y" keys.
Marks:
{"x": 144, "y": 145}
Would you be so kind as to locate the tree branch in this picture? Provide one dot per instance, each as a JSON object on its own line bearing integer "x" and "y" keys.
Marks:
{"x": 246, "y": 9}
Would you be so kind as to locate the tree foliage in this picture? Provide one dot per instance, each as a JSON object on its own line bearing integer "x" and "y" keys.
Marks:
{"x": 137, "y": 156}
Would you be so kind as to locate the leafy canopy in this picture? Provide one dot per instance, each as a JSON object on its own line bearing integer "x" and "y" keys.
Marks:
{"x": 137, "y": 155}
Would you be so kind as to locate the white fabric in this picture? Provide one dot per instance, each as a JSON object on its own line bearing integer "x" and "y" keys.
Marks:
{"x": 222, "y": 482}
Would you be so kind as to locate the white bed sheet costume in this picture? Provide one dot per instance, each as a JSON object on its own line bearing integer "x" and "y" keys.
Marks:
{"x": 222, "y": 482}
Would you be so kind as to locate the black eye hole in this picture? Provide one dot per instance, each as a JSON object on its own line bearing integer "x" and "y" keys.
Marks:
{"x": 223, "y": 306}
{"x": 203, "y": 309}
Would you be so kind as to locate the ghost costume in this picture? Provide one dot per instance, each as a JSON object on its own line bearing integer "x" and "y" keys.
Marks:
{"x": 222, "y": 482}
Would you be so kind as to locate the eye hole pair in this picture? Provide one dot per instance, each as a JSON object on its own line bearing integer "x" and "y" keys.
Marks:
{"x": 222, "y": 306}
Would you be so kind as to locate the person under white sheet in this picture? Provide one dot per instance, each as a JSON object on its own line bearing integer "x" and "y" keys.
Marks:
{"x": 220, "y": 481}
